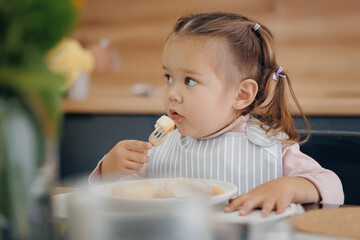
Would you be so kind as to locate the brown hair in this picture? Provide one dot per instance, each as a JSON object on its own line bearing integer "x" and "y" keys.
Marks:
{"x": 253, "y": 54}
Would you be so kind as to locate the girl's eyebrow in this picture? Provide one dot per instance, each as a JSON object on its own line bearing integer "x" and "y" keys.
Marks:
{"x": 186, "y": 71}
{"x": 191, "y": 72}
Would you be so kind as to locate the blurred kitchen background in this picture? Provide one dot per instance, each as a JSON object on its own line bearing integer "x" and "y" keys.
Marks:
{"x": 318, "y": 44}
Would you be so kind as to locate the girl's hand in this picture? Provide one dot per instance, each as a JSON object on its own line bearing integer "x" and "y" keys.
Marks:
{"x": 126, "y": 157}
{"x": 275, "y": 195}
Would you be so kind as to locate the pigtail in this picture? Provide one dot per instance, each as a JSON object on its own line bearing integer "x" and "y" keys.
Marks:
{"x": 288, "y": 88}
{"x": 274, "y": 109}
{"x": 273, "y": 104}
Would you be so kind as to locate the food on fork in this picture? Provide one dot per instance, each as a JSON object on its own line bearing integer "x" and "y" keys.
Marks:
{"x": 163, "y": 127}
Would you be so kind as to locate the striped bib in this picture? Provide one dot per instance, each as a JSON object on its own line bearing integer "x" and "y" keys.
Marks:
{"x": 244, "y": 159}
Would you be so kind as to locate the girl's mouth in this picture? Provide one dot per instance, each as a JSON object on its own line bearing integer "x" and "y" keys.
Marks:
{"x": 174, "y": 115}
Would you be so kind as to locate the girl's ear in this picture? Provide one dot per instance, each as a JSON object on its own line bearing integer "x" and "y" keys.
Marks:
{"x": 246, "y": 92}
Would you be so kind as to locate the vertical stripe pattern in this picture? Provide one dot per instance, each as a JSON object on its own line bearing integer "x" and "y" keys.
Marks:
{"x": 232, "y": 157}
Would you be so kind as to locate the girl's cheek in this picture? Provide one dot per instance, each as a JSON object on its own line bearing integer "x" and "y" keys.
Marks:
{"x": 166, "y": 100}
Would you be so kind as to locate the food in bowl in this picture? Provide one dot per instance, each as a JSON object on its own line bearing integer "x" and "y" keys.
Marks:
{"x": 163, "y": 188}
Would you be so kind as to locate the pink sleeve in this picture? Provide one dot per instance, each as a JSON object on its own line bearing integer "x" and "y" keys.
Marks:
{"x": 95, "y": 176}
{"x": 296, "y": 163}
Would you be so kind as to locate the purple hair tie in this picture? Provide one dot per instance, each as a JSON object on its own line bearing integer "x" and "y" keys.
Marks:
{"x": 278, "y": 74}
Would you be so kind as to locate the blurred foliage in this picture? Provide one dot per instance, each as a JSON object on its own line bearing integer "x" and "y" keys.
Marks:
{"x": 28, "y": 30}
{"x": 30, "y": 91}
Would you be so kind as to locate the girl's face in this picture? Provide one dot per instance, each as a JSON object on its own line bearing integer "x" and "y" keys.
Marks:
{"x": 196, "y": 97}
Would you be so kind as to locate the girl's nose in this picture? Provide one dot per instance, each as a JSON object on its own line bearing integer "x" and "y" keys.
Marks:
{"x": 174, "y": 95}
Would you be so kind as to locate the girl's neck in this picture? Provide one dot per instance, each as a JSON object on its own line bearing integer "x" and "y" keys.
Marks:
{"x": 238, "y": 125}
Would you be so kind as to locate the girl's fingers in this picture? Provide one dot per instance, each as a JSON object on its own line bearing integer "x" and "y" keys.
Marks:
{"x": 281, "y": 206}
{"x": 267, "y": 207}
{"x": 132, "y": 165}
{"x": 248, "y": 206}
{"x": 137, "y": 146}
{"x": 235, "y": 203}
{"x": 137, "y": 157}
{"x": 128, "y": 171}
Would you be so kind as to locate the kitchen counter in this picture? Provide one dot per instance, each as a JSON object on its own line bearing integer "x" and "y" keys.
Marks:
{"x": 315, "y": 43}
{"x": 114, "y": 105}
{"x": 344, "y": 103}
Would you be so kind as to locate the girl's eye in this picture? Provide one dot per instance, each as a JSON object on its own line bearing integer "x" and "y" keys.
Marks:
{"x": 169, "y": 79}
{"x": 190, "y": 82}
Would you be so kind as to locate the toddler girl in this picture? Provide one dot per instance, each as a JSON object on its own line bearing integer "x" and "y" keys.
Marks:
{"x": 228, "y": 98}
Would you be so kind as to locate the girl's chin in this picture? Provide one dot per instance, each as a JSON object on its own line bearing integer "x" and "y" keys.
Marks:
{"x": 184, "y": 132}
{"x": 188, "y": 133}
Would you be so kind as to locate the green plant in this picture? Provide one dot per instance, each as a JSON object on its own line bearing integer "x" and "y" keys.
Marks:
{"x": 29, "y": 110}
{"x": 28, "y": 30}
